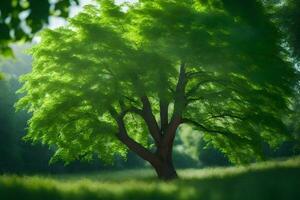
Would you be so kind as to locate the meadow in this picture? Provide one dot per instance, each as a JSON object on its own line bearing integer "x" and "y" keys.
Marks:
{"x": 261, "y": 181}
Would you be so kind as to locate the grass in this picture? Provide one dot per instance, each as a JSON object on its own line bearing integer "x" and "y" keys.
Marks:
{"x": 269, "y": 180}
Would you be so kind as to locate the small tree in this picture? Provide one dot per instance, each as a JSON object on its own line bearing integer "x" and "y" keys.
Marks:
{"x": 126, "y": 77}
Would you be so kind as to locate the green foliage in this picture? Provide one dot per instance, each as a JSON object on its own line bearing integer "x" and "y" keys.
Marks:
{"x": 238, "y": 78}
{"x": 289, "y": 20}
{"x": 17, "y": 156}
{"x": 258, "y": 181}
{"x": 20, "y": 20}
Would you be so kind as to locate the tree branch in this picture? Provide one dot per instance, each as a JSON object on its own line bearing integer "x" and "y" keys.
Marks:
{"x": 179, "y": 105}
{"x": 194, "y": 74}
{"x": 163, "y": 106}
{"x": 180, "y": 98}
{"x": 150, "y": 120}
{"x": 210, "y": 130}
{"x": 128, "y": 141}
{"x": 131, "y": 99}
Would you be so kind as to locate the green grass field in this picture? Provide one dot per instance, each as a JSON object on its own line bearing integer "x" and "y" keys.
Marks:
{"x": 263, "y": 181}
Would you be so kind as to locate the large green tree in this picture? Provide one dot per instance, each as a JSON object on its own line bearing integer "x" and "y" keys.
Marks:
{"x": 121, "y": 78}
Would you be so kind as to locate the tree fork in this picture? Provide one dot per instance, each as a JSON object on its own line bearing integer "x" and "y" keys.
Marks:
{"x": 162, "y": 160}
{"x": 165, "y": 168}
{"x": 150, "y": 120}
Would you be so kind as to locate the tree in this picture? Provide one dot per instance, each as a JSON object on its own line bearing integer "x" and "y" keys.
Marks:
{"x": 20, "y": 20}
{"x": 126, "y": 77}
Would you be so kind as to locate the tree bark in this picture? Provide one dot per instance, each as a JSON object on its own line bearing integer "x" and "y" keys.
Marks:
{"x": 165, "y": 170}
{"x": 164, "y": 166}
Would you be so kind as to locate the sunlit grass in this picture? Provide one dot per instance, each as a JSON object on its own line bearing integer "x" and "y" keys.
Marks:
{"x": 268, "y": 180}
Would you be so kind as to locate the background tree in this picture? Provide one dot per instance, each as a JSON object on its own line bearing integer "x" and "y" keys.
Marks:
{"x": 20, "y": 20}
{"x": 127, "y": 77}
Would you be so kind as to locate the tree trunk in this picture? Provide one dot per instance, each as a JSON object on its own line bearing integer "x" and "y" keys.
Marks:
{"x": 164, "y": 164}
{"x": 166, "y": 171}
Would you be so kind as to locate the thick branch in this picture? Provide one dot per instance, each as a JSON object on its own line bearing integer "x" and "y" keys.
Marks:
{"x": 150, "y": 120}
{"x": 163, "y": 106}
{"x": 179, "y": 106}
{"x": 147, "y": 113}
{"x": 170, "y": 133}
{"x": 180, "y": 98}
{"x": 128, "y": 141}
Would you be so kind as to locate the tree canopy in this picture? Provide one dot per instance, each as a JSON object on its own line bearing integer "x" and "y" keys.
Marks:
{"x": 289, "y": 18}
{"x": 20, "y": 20}
{"x": 122, "y": 77}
